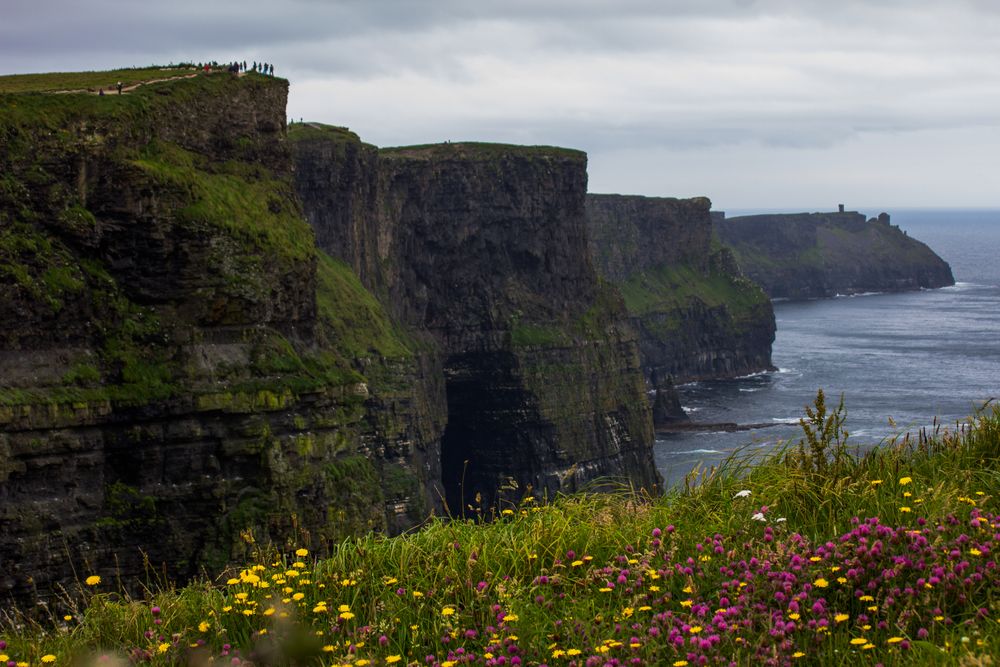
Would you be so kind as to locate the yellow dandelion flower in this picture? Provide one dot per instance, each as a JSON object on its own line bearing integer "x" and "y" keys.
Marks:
{"x": 858, "y": 641}
{"x": 905, "y": 509}
{"x": 605, "y": 589}
{"x": 163, "y": 647}
{"x": 893, "y": 640}
{"x": 4, "y": 657}
{"x": 798, "y": 654}
{"x": 867, "y": 647}
{"x": 975, "y": 552}
{"x": 655, "y": 589}
{"x": 687, "y": 589}
{"x": 302, "y": 552}
{"x": 821, "y": 583}
{"x": 418, "y": 594}
{"x": 840, "y": 618}
{"x": 47, "y": 658}
{"x": 841, "y": 580}
{"x": 269, "y": 611}
{"x": 576, "y": 563}
{"x": 227, "y": 608}
{"x": 320, "y": 608}
{"x": 680, "y": 663}
{"x": 510, "y": 617}
{"x": 232, "y": 582}
{"x": 794, "y": 616}
{"x": 291, "y": 573}
{"x": 875, "y": 482}
{"x": 344, "y": 607}
{"x": 687, "y": 603}
{"x": 388, "y": 581}
{"x": 204, "y": 626}
{"x": 248, "y": 612}
{"x": 573, "y": 651}
{"x": 866, "y": 598}
{"x": 447, "y": 611}
{"x": 449, "y": 663}
{"x": 393, "y": 658}
{"x": 298, "y": 596}
{"x": 645, "y": 607}
{"x": 362, "y": 662}
{"x": 92, "y": 580}
{"x": 903, "y": 481}
{"x": 815, "y": 559}
{"x": 299, "y": 565}
{"x": 695, "y": 629}
{"x": 346, "y": 615}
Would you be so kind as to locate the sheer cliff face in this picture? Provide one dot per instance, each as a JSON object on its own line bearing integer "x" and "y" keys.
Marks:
{"x": 811, "y": 255}
{"x": 697, "y": 317}
{"x": 483, "y": 248}
{"x": 180, "y": 371}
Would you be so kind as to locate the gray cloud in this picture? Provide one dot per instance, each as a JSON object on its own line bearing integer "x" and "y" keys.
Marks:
{"x": 740, "y": 82}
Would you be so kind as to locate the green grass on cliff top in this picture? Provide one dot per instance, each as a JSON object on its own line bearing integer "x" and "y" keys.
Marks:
{"x": 887, "y": 558}
{"x": 307, "y": 131}
{"x": 478, "y": 149}
{"x": 66, "y": 81}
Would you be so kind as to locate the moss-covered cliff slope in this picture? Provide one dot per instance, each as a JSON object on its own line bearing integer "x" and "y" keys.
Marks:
{"x": 810, "y": 255}
{"x": 181, "y": 371}
{"x": 697, "y": 316}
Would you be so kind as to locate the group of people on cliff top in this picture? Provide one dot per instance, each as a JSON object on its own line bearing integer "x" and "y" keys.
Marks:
{"x": 236, "y": 67}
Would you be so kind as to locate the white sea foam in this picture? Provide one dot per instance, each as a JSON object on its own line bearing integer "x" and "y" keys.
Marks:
{"x": 785, "y": 420}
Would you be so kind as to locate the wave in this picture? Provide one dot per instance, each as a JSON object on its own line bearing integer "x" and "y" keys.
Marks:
{"x": 785, "y": 420}
{"x": 751, "y": 375}
{"x": 854, "y": 294}
{"x": 750, "y": 389}
{"x": 700, "y": 451}
{"x": 688, "y": 410}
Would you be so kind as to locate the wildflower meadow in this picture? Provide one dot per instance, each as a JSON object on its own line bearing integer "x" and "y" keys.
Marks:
{"x": 887, "y": 556}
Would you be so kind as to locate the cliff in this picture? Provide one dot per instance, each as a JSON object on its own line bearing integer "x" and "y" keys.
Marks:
{"x": 213, "y": 337}
{"x": 482, "y": 246}
{"x": 696, "y": 315}
{"x": 810, "y": 255}
{"x": 181, "y": 372}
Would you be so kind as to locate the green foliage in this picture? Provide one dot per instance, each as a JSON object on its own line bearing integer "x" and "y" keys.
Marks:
{"x": 257, "y": 209}
{"x": 454, "y": 576}
{"x": 825, "y": 437}
{"x": 61, "y": 81}
{"x": 354, "y": 322}
{"x": 481, "y": 150}
{"x": 672, "y": 288}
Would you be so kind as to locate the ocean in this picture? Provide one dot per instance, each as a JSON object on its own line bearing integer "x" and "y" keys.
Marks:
{"x": 901, "y": 361}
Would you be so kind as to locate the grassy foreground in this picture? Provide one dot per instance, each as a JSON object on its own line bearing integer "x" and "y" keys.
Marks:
{"x": 813, "y": 557}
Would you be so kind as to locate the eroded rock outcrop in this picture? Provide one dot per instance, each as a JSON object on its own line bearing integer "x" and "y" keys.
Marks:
{"x": 696, "y": 314}
{"x": 484, "y": 248}
{"x": 811, "y": 255}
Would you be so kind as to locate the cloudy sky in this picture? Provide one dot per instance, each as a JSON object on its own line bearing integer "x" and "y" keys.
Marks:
{"x": 754, "y": 103}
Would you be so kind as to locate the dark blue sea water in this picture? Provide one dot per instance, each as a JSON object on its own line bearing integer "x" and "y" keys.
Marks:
{"x": 914, "y": 356}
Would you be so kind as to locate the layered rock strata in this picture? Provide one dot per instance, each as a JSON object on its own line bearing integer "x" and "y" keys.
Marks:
{"x": 483, "y": 247}
{"x": 812, "y": 255}
{"x": 697, "y": 316}
{"x": 182, "y": 374}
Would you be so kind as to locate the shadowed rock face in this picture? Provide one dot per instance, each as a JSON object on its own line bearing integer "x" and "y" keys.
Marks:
{"x": 483, "y": 247}
{"x": 811, "y": 255}
{"x": 179, "y": 369}
{"x": 696, "y": 315}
